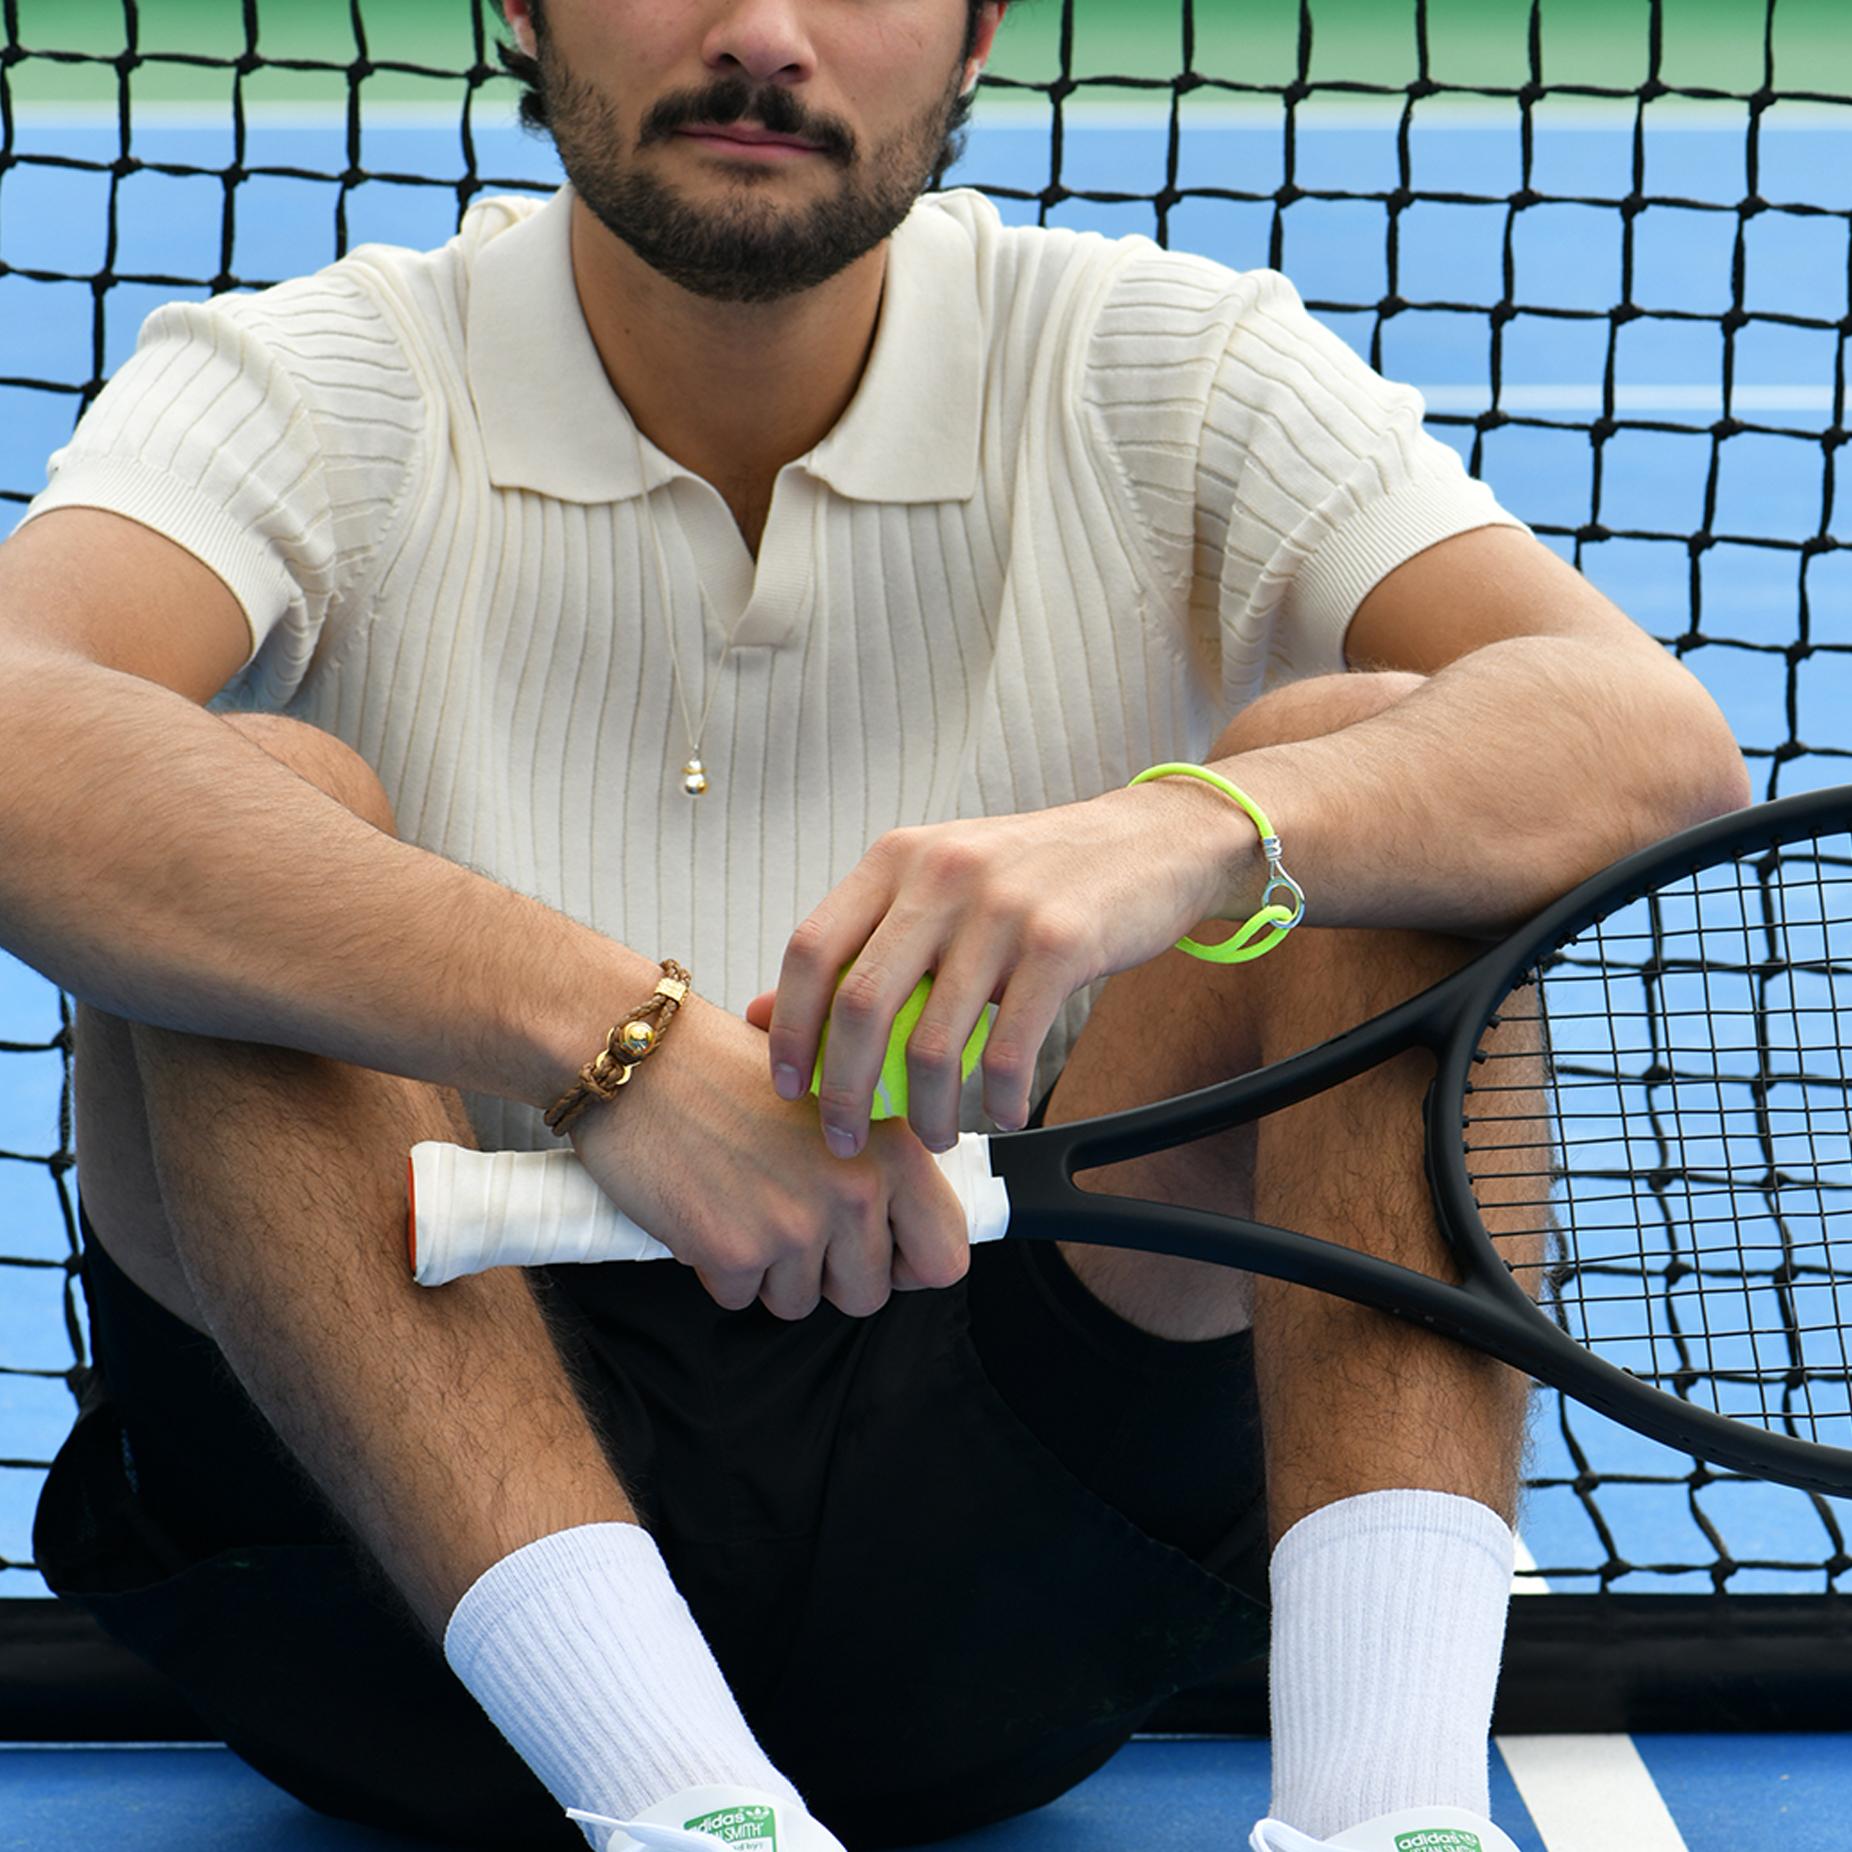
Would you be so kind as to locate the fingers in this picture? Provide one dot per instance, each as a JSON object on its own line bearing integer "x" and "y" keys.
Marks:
{"x": 902, "y": 1277}
{"x": 792, "y": 1288}
{"x": 1049, "y": 967}
{"x": 732, "y": 1292}
{"x": 852, "y": 970}
{"x": 851, "y": 1005}
{"x": 850, "y": 1266}
{"x": 858, "y": 1271}
{"x": 855, "y": 1274}
{"x": 929, "y": 1230}
{"x": 896, "y": 1225}
{"x": 873, "y": 994}
{"x": 816, "y": 957}
{"x": 934, "y": 1059}
{"x": 1056, "y": 957}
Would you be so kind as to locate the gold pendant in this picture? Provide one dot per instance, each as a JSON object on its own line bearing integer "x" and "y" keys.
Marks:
{"x": 694, "y": 778}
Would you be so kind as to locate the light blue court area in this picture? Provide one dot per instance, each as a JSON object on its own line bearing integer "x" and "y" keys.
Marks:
{"x": 1681, "y": 1794}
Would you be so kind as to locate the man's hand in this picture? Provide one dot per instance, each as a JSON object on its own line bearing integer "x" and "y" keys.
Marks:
{"x": 734, "y": 1182}
{"x": 1021, "y": 911}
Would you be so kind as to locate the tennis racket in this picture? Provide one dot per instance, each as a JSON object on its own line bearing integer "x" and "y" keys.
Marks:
{"x": 1639, "y": 1140}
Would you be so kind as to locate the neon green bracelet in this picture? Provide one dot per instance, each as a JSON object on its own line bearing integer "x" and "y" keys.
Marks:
{"x": 1274, "y": 920}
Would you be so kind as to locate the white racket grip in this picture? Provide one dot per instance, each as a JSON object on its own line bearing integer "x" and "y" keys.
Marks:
{"x": 472, "y": 1210}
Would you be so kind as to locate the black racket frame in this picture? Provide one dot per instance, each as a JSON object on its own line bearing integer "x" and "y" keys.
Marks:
{"x": 1489, "y": 1309}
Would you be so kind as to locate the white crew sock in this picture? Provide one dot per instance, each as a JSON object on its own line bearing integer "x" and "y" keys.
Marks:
{"x": 586, "y": 1657}
{"x": 1388, "y": 1623}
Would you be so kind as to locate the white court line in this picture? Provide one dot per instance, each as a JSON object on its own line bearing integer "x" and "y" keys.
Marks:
{"x": 1586, "y": 1793}
{"x": 1590, "y": 1794}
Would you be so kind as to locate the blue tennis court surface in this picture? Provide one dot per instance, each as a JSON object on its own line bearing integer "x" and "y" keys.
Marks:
{"x": 1610, "y": 1509}
{"x": 1696, "y": 1794}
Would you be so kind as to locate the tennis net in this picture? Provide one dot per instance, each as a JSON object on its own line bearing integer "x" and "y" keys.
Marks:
{"x": 1607, "y": 240}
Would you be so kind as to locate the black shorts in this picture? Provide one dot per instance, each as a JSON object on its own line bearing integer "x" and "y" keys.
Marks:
{"x": 949, "y": 1557}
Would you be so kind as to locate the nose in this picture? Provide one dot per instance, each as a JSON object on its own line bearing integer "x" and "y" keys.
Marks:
{"x": 762, "y": 40}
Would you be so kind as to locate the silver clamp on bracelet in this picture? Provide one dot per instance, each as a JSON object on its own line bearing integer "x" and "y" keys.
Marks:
{"x": 1277, "y": 877}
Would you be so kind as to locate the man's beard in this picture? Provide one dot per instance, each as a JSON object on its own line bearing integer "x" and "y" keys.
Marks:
{"x": 742, "y": 249}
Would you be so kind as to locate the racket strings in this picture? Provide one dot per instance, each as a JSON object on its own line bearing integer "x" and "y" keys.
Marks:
{"x": 1658, "y": 1134}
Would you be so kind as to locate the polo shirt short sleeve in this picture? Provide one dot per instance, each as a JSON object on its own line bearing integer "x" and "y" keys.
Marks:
{"x": 1278, "y": 478}
{"x": 272, "y": 436}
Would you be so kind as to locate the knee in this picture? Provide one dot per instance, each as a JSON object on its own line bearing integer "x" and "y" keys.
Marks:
{"x": 329, "y": 764}
{"x": 1322, "y": 704}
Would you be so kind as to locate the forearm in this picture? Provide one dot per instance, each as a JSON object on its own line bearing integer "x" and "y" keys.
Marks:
{"x": 1497, "y": 785}
{"x": 159, "y": 866}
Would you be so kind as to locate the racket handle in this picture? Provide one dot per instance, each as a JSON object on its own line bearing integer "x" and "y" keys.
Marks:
{"x": 472, "y": 1210}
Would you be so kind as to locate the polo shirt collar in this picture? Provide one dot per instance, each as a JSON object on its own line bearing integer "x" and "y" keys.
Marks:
{"x": 552, "y": 423}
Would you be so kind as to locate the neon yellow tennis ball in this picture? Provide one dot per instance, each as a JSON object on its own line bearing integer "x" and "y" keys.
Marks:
{"x": 890, "y": 1100}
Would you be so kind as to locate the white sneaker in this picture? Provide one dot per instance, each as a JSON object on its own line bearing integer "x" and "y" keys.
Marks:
{"x": 1409, "y": 1829}
{"x": 742, "y": 1819}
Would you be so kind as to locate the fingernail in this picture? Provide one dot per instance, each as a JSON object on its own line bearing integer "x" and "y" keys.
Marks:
{"x": 840, "y": 1141}
{"x": 787, "y": 1080}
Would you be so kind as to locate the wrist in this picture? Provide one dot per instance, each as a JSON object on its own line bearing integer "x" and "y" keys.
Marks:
{"x": 1213, "y": 847}
{"x": 589, "y": 986}
{"x": 691, "y": 1079}
{"x": 629, "y": 1042}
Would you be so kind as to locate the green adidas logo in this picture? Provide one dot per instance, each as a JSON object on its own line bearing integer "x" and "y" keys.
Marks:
{"x": 749, "y": 1827}
{"x": 1438, "y": 1839}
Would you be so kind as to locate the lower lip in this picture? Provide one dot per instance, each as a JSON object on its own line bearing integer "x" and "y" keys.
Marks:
{"x": 767, "y": 151}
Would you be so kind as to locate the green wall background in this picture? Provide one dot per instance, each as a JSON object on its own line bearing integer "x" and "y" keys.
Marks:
{"x": 1707, "y": 44}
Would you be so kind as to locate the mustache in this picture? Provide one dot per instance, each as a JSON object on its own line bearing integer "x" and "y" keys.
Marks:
{"x": 736, "y": 99}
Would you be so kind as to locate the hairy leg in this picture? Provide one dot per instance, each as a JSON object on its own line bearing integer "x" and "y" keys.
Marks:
{"x": 1354, "y": 1400}
{"x": 1351, "y": 1400}
{"x": 259, "y": 1194}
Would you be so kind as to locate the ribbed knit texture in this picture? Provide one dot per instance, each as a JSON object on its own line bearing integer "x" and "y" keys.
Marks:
{"x": 585, "y": 1656}
{"x": 1091, "y": 499}
{"x": 1388, "y": 1624}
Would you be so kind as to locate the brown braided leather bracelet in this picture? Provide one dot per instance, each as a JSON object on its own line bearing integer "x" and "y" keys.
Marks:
{"x": 625, "y": 1047}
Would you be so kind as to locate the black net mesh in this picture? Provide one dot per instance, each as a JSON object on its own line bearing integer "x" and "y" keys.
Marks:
{"x": 1658, "y": 1133}
{"x": 1682, "y": 447}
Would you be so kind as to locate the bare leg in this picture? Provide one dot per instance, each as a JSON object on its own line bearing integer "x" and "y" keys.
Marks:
{"x": 1351, "y": 1400}
{"x": 440, "y": 1423}
{"x": 1354, "y": 1400}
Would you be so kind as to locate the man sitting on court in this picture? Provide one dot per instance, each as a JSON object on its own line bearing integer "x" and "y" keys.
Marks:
{"x": 741, "y": 559}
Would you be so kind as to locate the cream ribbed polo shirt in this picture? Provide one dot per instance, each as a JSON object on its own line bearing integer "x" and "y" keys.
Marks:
{"x": 1090, "y": 498}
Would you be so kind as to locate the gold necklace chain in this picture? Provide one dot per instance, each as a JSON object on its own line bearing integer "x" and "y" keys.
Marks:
{"x": 694, "y": 773}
